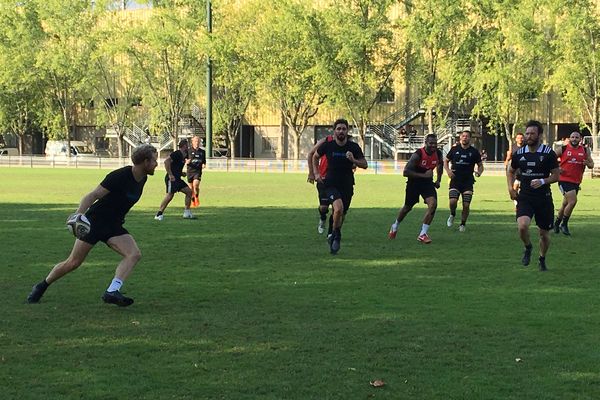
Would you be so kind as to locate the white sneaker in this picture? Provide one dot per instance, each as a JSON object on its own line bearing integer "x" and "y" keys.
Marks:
{"x": 187, "y": 214}
{"x": 450, "y": 221}
{"x": 321, "y": 227}
{"x": 159, "y": 217}
{"x": 462, "y": 228}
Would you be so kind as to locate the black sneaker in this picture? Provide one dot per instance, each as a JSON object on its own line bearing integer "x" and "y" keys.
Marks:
{"x": 542, "y": 265}
{"x": 117, "y": 298}
{"x": 557, "y": 226}
{"x": 526, "y": 256}
{"x": 565, "y": 230}
{"x": 36, "y": 293}
{"x": 335, "y": 245}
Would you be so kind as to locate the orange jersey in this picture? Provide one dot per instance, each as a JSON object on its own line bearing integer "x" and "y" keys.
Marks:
{"x": 572, "y": 163}
{"x": 428, "y": 161}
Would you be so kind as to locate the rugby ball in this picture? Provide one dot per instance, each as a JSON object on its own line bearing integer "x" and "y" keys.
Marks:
{"x": 78, "y": 225}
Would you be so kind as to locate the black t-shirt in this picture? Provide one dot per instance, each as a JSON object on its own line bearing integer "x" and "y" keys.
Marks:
{"x": 463, "y": 161}
{"x": 536, "y": 165}
{"x": 197, "y": 158}
{"x": 124, "y": 192}
{"x": 177, "y": 163}
{"x": 339, "y": 168}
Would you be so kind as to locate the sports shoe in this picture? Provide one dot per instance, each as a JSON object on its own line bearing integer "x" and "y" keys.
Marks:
{"x": 159, "y": 217}
{"x": 117, "y": 298}
{"x": 187, "y": 214}
{"x": 450, "y": 221}
{"x": 526, "y": 256}
{"x": 321, "y": 227}
{"x": 392, "y": 233}
{"x": 542, "y": 264}
{"x": 565, "y": 230}
{"x": 335, "y": 244}
{"x": 461, "y": 228}
{"x": 424, "y": 238}
{"x": 37, "y": 291}
{"x": 556, "y": 226}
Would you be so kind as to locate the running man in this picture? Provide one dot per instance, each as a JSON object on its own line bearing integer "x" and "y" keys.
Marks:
{"x": 106, "y": 207}
{"x": 419, "y": 171}
{"x": 463, "y": 158}
{"x": 173, "y": 182}
{"x": 539, "y": 169}
{"x": 196, "y": 161}
{"x": 323, "y": 199}
{"x": 573, "y": 160}
{"x": 342, "y": 156}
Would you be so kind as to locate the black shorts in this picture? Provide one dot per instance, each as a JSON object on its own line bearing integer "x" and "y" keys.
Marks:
{"x": 344, "y": 193}
{"x": 322, "y": 193}
{"x": 542, "y": 208}
{"x": 174, "y": 186}
{"x": 568, "y": 187}
{"x": 103, "y": 229}
{"x": 414, "y": 190}
{"x": 462, "y": 185}
{"x": 193, "y": 175}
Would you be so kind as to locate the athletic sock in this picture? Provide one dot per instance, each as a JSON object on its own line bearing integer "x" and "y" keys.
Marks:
{"x": 330, "y": 228}
{"x": 463, "y": 222}
{"x": 115, "y": 285}
{"x": 159, "y": 213}
{"x": 395, "y": 225}
{"x": 424, "y": 229}
{"x": 558, "y": 221}
{"x": 44, "y": 285}
{"x": 529, "y": 246}
{"x": 323, "y": 215}
{"x": 565, "y": 220}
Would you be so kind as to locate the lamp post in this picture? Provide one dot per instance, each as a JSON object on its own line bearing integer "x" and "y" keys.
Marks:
{"x": 208, "y": 86}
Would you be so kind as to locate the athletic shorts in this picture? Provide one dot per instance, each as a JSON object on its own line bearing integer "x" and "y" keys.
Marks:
{"x": 422, "y": 189}
{"x": 174, "y": 186}
{"x": 345, "y": 194}
{"x": 462, "y": 185}
{"x": 568, "y": 187}
{"x": 322, "y": 193}
{"x": 102, "y": 230}
{"x": 193, "y": 175}
{"x": 542, "y": 208}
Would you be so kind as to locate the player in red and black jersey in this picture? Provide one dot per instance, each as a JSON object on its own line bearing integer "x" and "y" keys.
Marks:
{"x": 343, "y": 156}
{"x": 460, "y": 165}
{"x": 323, "y": 199}
{"x": 419, "y": 171}
{"x": 539, "y": 168}
{"x": 573, "y": 160}
{"x": 106, "y": 207}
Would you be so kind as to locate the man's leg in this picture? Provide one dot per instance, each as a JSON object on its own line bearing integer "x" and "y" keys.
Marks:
{"x": 196, "y": 192}
{"x": 453, "y": 195}
{"x": 544, "y": 246}
{"x": 126, "y": 246}
{"x": 338, "y": 221}
{"x": 523, "y": 223}
{"x": 323, "y": 210}
{"x": 163, "y": 206}
{"x": 570, "y": 199}
{"x": 410, "y": 199}
{"x": 431, "y": 202}
{"x": 466, "y": 198}
{"x": 187, "y": 213}
{"x": 561, "y": 213}
{"x": 78, "y": 254}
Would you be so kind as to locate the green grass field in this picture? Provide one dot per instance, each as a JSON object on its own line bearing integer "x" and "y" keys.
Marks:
{"x": 247, "y": 303}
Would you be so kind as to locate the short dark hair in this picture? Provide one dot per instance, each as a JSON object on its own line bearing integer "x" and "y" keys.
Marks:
{"x": 341, "y": 121}
{"x": 537, "y": 124}
{"x": 519, "y": 134}
{"x": 431, "y": 135}
{"x": 183, "y": 142}
{"x": 466, "y": 131}
{"x": 142, "y": 153}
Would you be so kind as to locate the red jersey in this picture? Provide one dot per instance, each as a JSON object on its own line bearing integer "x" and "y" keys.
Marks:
{"x": 428, "y": 161}
{"x": 572, "y": 163}
{"x": 323, "y": 159}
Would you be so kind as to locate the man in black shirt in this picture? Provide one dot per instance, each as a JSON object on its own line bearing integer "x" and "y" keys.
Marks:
{"x": 105, "y": 207}
{"x": 343, "y": 156}
{"x": 463, "y": 158}
{"x": 174, "y": 166}
{"x": 538, "y": 169}
{"x": 196, "y": 161}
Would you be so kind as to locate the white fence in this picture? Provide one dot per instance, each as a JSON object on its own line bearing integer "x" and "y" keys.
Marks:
{"x": 213, "y": 164}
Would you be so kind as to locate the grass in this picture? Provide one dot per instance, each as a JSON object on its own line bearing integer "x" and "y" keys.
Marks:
{"x": 246, "y": 302}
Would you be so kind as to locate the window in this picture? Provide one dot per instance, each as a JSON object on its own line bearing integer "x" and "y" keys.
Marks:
{"x": 386, "y": 95}
{"x": 269, "y": 144}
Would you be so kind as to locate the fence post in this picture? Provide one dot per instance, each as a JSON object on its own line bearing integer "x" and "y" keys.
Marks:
{"x": 31, "y": 161}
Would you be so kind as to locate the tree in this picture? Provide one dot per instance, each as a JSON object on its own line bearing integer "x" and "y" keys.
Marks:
{"x": 166, "y": 52}
{"x": 20, "y": 34}
{"x": 577, "y": 51}
{"x": 290, "y": 73}
{"x": 358, "y": 54}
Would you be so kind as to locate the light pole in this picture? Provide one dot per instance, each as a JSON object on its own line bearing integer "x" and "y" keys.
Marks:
{"x": 208, "y": 86}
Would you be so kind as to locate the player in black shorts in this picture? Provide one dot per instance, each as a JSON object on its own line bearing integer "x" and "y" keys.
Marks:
{"x": 463, "y": 158}
{"x": 539, "y": 168}
{"x": 342, "y": 156}
{"x": 321, "y": 193}
{"x": 419, "y": 171}
{"x": 106, "y": 207}
{"x": 196, "y": 161}
{"x": 173, "y": 182}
